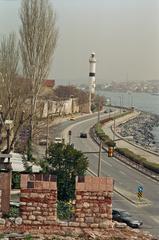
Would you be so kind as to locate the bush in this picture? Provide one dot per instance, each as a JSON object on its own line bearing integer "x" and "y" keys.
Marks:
{"x": 101, "y": 134}
{"x": 13, "y": 212}
{"x": 138, "y": 159}
{"x": 15, "y": 180}
{"x": 64, "y": 210}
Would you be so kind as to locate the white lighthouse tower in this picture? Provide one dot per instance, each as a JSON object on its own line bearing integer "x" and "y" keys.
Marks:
{"x": 92, "y": 80}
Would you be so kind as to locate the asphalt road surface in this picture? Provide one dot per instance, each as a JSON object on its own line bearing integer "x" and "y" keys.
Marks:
{"x": 126, "y": 178}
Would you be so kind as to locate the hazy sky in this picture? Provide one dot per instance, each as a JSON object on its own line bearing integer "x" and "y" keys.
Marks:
{"x": 124, "y": 34}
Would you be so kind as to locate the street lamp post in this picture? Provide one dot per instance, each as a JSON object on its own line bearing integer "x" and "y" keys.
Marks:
{"x": 114, "y": 126}
{"x": 120, "y": 103}
{"x": 99, "y": 159}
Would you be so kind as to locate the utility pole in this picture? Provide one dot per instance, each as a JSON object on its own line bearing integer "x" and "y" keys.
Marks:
{"x": 120, "y": 103}
{"x": 69, "y": 134}
{"x": 99, "y": 159}
{"x": 99, "y": 111}
{"x": 47, "y": 136}
{"x": 114, "y": 130}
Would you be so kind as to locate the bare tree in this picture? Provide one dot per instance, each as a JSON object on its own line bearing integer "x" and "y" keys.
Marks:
{"x": 38, "y": 37}
{"x": 9, "y": 58}
{"x": 13, "y": 89}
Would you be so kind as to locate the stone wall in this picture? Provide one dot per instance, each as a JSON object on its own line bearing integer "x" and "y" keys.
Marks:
{"x": 0, "y": 203}
{"x": 63, "y": 107}
{"x": 93, "y": 201}
{"x": 5, "y": 187}
{"x": 38, "y": 206}
{"x": 38, "y": 199}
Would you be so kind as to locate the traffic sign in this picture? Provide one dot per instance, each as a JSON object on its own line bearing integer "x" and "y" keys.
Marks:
{"x": 140, "y": 188}
{"x": 140, "y": 192}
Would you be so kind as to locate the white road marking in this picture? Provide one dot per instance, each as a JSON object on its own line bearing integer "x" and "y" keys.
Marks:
{"x": 139, "y": 182}
{"x": 155, "y": 218}
{"x": 109, "y": 164}
{"x": 122, "y": 172}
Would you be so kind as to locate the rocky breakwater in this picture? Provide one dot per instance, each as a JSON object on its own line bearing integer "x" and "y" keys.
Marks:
{"x": 140, "y": 131}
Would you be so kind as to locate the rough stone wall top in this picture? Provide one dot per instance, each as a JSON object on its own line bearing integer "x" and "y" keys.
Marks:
{"x": 5, "y": 186}
{"x": 38, "y": 181}
{"x": 90, "y": 183}
{"x": 0, "y": 203}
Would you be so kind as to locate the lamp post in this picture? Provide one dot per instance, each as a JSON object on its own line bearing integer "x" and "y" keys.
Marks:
{"x": 99, "y": 159}
{"x": 120, "y": 103}
{"x": 114, "y": 129}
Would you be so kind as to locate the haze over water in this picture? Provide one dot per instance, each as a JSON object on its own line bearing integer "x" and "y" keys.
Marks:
{"x": 142, "y": 101}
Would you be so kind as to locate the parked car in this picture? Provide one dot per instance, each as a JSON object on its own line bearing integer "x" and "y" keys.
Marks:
{"x": 125, "y": 217}
{"x": 72, "y": 119}
{"x": 43, "y": 142}
{"x": 58, "y": 140}
{"x": 106, "y": 111}
{"x": 83, "y": 135}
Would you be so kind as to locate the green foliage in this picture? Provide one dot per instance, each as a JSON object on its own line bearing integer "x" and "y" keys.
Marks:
{"x": 101, "y": 134}
{"x": 66, "y": 163}
{"x": 2, "y": 235}
{"x": 138, "y": 159}
{"x": 13, "y": 212}
{"x": 28, "y": 237}
{"x": 64, "y": 210}
{"x": 15, "y": 180}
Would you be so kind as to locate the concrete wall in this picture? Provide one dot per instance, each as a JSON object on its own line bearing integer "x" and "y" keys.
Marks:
{"x": 62, "y": 107}
{"x": 5, "y": 187}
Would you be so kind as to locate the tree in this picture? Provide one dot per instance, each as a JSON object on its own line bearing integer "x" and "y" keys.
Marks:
{"x": 13, "y": 89}
{"x": 66, "y": 163}
{"x": 65, "y": 92}
{"x": 38, "y": 37}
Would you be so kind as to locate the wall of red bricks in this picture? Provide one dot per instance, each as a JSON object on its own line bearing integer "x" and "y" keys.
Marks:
{"x": 38, "y": 205}
{"x": 0, "y": 203}
{"x": 38, "y": 199}
{"x": 5, "y": 187}
{"x": 93, "y": 201}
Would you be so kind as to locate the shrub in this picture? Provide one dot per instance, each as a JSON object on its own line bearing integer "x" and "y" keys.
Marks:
{"x": 13, "y": 212}
{"x": 138, "y": 159}
{"x": 15, "y": 180}
{"x": 64, "y": 210}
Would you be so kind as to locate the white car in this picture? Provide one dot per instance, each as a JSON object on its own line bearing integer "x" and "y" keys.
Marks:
{"x": 58, "y": 140}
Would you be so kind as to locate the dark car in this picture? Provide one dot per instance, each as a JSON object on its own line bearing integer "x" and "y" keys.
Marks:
{"x": 83, "y": 135}
{"x": 125, "y": 217}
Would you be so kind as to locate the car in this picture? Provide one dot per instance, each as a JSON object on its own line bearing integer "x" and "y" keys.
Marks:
{"x": 72, "y": 119}
{"x": 83, "y": 135}
{"x": 123, "y": 216}
{"x": 106, "y": 111}
{"x": 43, "y": 142}
{"x": 58, "y": 140}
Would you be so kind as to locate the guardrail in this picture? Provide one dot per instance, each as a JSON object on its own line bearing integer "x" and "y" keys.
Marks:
{"x": 124, "y": 159}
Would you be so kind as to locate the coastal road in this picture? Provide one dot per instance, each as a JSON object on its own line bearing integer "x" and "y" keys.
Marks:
{"x": 126, "y": 178}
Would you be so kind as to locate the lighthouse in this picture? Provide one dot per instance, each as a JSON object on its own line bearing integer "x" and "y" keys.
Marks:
{"x": 92, "y": 81}
{"x": 92, "y": 72}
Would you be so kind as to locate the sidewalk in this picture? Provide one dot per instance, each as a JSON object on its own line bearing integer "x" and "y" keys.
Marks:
{"x": 123, "y": 143}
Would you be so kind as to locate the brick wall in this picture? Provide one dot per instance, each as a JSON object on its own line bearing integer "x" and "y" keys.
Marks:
{"x": 93, "y": 201}
{"x": 0, "y": 203}
{"x": 5, "y": 187}
{"x": 38, "y": 199}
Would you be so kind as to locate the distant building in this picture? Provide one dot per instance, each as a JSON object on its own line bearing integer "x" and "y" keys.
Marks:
{"x": 50, "y": 83}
